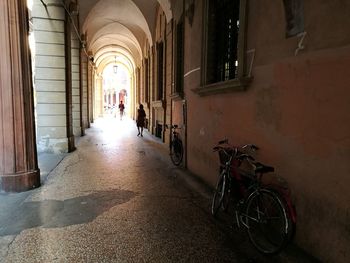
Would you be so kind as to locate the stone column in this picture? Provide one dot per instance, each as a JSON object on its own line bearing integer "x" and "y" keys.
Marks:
{"x": 90, "y": 71}
{"x": 133, "y": 93}
{"x": 69, "y": 77}
{"x": 83, "y": 92}
{"x": 99, "y": 96}
{"x": 76, "y": 109}
{"x": 93, "y": 93}
{"x": 88, "y": 85}
{"x": 51, "y": 77}
{"x": 18, "y": 157}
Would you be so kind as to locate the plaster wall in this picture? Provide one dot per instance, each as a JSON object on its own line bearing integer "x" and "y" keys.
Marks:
{"x": 296, "y": 110}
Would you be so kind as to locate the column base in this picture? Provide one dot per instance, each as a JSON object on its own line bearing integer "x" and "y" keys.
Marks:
{"x": 20, "y": 182}
{"x": 71, "y": 144}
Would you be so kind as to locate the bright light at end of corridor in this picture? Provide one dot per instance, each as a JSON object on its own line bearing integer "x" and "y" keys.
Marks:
{"x": 30, "y": 4}
{"x": 32, "y": 43}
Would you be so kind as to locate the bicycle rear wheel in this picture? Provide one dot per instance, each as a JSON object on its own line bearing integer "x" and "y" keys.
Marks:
{"x": 266, "y": 221}
{"x": 176, "y": 152}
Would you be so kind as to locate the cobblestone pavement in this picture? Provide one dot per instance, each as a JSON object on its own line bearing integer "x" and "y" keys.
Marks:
{"x": 118, "y": 198}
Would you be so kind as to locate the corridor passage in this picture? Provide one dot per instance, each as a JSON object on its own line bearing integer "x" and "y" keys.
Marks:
{"x": 118, "y": 198}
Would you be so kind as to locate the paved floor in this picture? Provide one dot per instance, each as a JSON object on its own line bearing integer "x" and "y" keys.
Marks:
{"x": 118, "y": 198}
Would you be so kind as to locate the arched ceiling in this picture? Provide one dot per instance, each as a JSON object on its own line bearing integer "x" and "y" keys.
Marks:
{"x": 111, "y": 54}
{"x": 120, "y": 27}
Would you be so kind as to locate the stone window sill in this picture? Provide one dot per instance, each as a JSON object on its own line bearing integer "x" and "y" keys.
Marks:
{"x": 239, "y": 84}
{"x": 177, "y": 96}
{"x": 158, "y": 104}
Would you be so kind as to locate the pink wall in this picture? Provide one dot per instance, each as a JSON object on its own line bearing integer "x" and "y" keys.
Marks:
{"x": 297, "y": 109}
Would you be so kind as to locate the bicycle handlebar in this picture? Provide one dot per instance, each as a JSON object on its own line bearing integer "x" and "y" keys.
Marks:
{"x": 225, "y": 141}
{"x": 239, "y": 154}
{"x": 251, "y": 146}
{"x": 236, "y": 152}
{"x": 175, "y": 126}
{"x": 219, "y": 146}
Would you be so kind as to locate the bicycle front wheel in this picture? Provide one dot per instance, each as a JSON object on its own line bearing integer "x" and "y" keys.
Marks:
{"x": 219, "y": 194}
{"x": 266, "y": 221}
{"x": 176, "y": 152}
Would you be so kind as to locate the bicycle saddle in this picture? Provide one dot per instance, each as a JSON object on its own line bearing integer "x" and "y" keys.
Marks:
{"x": 262, "y": 168}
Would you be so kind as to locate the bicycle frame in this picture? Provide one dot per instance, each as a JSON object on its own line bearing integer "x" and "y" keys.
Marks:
{"x": 174, "y": 134}
{"x": 265, "y": 210}
{"x": 285, "y": 194}
{"x": 232, "y": 166}
{"x": 175, "y": 146}
{"x": 244, "y": 192}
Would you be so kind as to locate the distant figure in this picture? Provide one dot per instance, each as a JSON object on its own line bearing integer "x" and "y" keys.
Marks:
{"x": 121, "y": 109}
{"x": 140, "y": 122}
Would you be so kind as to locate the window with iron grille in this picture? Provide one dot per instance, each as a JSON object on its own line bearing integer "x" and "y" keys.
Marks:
{"x": 223, "y": 23}
{"x": 223, "y": 60}
{"x": 179, "y": 57}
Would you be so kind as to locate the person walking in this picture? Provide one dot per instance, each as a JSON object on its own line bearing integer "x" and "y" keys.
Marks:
{"x": 121, "y": 109}
{"x": 140, "y": 121}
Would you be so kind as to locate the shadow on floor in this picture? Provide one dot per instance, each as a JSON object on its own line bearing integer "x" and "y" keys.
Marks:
{"x": 56, "y": 213}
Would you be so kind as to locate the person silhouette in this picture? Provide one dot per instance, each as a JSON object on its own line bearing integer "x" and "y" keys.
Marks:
{"x": 140, "y": 121}
{"x": 121, "y": 109}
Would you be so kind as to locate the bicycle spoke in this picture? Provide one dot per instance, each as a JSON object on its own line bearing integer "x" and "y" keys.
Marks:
{"x": 267, "y": 216}
{"x": 219, "y": 194}
{"x": 176, "y": 152}
{"x": 266, "y": 222}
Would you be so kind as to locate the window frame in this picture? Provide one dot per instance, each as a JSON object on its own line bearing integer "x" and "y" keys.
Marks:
{"x": 241, "y": 81}
{"x": 146, "y": 90}
{"x": 160, "y": 71}
{"x": 178, "y": 62}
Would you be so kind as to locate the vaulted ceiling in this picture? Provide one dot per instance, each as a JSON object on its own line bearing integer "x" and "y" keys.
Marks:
{"x": 120, "y": 28}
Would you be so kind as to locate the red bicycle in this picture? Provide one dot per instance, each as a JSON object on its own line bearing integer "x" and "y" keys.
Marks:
{"x": 265, "y": 210}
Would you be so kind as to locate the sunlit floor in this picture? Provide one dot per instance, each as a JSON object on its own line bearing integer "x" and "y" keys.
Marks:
{"x": 117, "y": 198}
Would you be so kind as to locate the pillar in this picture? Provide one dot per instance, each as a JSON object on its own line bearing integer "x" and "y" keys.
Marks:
{"x": 18, "y": 157}
{"x": 83, "y": 91}
{"x": 99, "y": 96}
{"x": 69, "y": 84}
{"x": 88, "y": 86}
{"x": 75, "y": 60}
{"x": 52, "y": 77}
